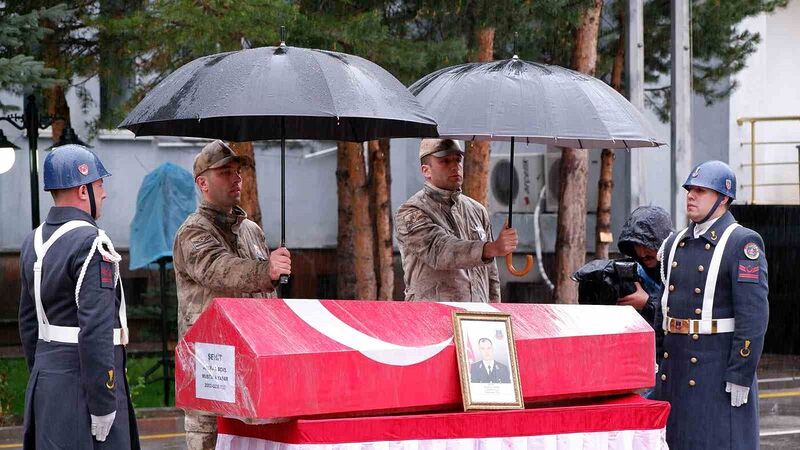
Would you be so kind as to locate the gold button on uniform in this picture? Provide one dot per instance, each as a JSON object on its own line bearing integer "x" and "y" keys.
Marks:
{"x": 695, "y": 336}
{"x": 697, "y": 290}
{"x": 693, "y": 360}
{"x": 700, "y": 268}
{"x": 698, "y": 311}
{"x": 663, "y": 377}
{"x": 692, "y": 383}
{"x": 682, "y": 244}
{"x": 671, "y": 287}
{"x": 674, "y": 263}
{"x": 666, "y": 355}
{"x": 708, "y": 246}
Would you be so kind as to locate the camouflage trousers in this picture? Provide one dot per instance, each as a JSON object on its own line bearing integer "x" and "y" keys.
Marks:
{"x": 201, "y": 431}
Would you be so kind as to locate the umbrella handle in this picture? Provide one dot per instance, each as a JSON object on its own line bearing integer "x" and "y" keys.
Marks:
{"x": 524, "y": 271}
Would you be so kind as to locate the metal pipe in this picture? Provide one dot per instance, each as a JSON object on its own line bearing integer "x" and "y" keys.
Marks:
{"x": 31, "y": 123}
{"x": 165, "y": 365}
{"x": 753, "y": 161}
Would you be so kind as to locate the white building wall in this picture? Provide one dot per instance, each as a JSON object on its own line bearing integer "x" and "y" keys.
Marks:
{"x": 769, "y": 86}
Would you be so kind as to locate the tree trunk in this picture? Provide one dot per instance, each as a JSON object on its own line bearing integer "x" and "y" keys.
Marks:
{"x": 54, "y": 96}
{"x": 380, "y": 206}
{"x": 362, "y": 231}
{"x": 571, "y": 226}
{"x": 605, "y": 186}
{"x": 249, "y": 201}
{"x": 476, "y": 160}
{"x": 346, "y": 276}
{"x": 603, "y": 236}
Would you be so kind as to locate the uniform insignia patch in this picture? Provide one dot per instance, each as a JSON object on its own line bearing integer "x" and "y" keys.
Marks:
{"x": 713, "y": 235}
{"x": 696, "y": 172}
{"x": 106, "y": 275}
{"x": 414, "y": 220}
{"x": 728, "y": 184}
{"x": 83, "y": 169}
{"x": 259, "y": 253}
{"x": 751, "y": 250}
{"x": 480, "y": 232}
{"x": 197, "y": 244}
{"x": 749, "y": 271}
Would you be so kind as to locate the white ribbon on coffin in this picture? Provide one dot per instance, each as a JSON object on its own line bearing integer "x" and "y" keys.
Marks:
{"x": 317, "y": 316}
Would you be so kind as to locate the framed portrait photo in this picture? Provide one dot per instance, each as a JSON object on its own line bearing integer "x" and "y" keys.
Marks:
{"x": 487, "y": 361}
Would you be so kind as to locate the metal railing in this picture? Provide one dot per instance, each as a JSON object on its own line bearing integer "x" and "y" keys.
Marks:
{"x": 753, "y": 145}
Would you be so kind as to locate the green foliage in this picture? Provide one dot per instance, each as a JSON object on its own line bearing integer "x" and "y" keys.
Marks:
{"x": 13, "y": 379}
{"x": 719, "y": 50}
{"x": 20, "y": 35}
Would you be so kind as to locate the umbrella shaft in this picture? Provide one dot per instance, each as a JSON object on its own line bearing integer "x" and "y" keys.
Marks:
{"x": 283, "y": 182}
{"x": 511, "y": 184}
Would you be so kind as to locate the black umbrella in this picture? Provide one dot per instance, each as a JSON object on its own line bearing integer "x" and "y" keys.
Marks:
{"x": 513, "y": 100}
{"x": 278, "y": 93}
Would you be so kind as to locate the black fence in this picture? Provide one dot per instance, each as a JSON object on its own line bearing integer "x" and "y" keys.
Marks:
{"x": 779, "y": 225}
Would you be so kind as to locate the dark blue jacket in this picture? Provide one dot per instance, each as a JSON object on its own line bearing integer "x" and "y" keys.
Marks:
{"x": 69, "y": 382}
{"x": 695, "y": 368}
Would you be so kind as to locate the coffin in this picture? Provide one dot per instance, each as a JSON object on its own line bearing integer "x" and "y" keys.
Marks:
{"x": 268, "y": 359}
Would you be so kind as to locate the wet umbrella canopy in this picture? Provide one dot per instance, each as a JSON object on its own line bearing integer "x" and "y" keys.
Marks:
{"x": 254, "y": 94}
{"x": 278, "y": 93}
{"x": 532, "y": 103}
{"x": 516, "y": 100}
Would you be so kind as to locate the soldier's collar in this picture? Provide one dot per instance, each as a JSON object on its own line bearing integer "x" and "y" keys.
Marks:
{"x": 714, "y": 233}
{"x": 442, "y": 195}
{"x": 62, "y": 214}
{"x": 223, "y": 219}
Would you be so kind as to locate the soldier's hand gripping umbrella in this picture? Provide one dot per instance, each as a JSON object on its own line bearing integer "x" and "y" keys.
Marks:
{"x": 515, "y": 100}
{"x": 281, "y": 93}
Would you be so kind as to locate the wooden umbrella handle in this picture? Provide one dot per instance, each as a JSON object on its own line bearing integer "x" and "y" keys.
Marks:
{"x": 524, "y": 271}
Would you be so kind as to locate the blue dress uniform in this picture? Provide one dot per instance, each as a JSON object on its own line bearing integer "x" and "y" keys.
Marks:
{"x": 73, "y": 342}
{"x": 715, "y": 315}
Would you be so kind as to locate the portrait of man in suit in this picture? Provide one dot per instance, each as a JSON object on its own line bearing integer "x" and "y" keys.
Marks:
{"x": 487, "y": 370}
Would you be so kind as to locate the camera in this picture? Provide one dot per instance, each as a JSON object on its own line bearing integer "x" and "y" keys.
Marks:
{"x": 603, "y": 281}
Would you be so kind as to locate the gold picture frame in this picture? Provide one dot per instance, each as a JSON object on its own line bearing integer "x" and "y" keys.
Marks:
{"x": 489, "y": 373}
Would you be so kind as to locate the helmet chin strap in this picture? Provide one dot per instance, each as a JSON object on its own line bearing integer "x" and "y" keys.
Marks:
{"x": 92, "y": 204}
{"x": 720, "y": 197}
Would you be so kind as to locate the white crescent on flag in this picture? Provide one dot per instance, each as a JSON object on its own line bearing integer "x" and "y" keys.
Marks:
{"x": 317, "y": 316}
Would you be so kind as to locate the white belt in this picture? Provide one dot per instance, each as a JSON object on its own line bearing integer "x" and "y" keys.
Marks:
{"x": 69, "y": 335}
{"x": 700, "y": 326}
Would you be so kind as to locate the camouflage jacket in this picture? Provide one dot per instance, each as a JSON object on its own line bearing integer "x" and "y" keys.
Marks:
{"x": 441, "y": 235}
{"x": 217, "y": 254}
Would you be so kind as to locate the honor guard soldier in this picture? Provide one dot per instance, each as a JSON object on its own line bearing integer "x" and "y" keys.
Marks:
{"x": 72, "y": 317}
{"x": 715, "y": 315}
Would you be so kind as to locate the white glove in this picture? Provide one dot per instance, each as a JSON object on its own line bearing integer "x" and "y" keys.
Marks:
{"x": 738, "y": 394}
{"x": 101, "y": 425}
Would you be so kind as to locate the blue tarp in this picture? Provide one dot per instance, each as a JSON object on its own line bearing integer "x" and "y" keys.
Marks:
{"x": 166, "y": 197}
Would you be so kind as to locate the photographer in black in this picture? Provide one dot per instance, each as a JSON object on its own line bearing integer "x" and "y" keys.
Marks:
{"x": 636, "y": 281}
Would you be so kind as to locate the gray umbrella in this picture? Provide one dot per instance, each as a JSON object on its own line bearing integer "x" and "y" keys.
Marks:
{"x": 513, "y": 100}
{"x": 278, "y": 93}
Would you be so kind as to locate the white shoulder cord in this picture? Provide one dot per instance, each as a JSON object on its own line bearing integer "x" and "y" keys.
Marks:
{"x": 103, "y": 244}
{"x": 660, "y": 259}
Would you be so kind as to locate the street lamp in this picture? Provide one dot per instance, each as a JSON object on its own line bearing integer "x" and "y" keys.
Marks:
{"x": 7, "y": 155}
{"x": 31, "y": 122}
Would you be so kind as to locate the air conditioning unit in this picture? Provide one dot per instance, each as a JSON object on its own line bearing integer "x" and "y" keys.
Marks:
{"x": 528, "y": 179}
{"x": 552, "y": 161}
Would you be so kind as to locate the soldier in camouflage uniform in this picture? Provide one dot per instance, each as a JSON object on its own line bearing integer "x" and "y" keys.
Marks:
{"x": 218, "y": 252}
{"x": 445, "y": 237}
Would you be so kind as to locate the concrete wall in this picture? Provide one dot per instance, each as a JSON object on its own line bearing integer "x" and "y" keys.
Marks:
{"x": 769, "y": 86}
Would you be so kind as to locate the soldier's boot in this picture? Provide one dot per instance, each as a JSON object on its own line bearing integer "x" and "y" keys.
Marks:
{"x": 201, "y": 431}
